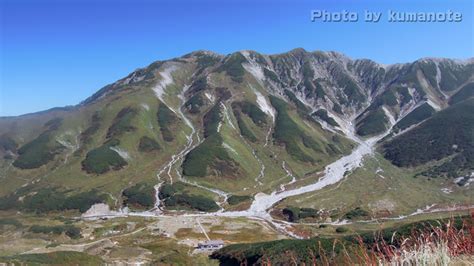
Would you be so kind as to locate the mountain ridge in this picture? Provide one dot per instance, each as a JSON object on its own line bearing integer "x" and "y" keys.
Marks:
{"x": 237, "y": 124}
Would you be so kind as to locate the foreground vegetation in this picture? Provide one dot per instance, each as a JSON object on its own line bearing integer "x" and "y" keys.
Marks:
{"x": 432, "y": 242}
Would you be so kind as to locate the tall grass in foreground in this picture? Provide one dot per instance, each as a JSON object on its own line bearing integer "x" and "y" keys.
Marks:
{"x": 440, "y": 244}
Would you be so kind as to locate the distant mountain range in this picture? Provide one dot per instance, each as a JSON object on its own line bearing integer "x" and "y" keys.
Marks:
{"x": 236, "y": 124}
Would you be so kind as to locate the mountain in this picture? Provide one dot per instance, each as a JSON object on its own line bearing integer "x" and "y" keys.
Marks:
{"x": 205, "y": 128}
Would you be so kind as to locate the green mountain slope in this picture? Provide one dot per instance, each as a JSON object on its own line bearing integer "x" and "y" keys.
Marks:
{"x": 236, "y": 124}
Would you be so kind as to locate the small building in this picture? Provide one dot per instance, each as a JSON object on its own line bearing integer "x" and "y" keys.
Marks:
{"x": 211, "y": 245}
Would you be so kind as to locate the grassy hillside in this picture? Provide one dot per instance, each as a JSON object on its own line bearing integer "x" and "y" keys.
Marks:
{"x": 421, "y": 113}
{"x": 375, "y": 122}
{"x": 447, "y": 133}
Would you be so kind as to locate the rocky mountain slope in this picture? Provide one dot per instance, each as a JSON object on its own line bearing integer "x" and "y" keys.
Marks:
{"x": 205, "y": 130}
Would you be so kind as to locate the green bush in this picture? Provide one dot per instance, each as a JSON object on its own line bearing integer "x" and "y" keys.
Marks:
{"x": 374, "y": 123}
{"x": 122, "y": 122}
{"x": 210, "y": 152}
{"x": 194, "y": 104}
{"x": 350, "y": 88}
{"x": 212, "y": 119}
{"x": 83, "y": 201}
{"x": 205, "y": 155}
{"x": 464, "y": 93}
{"x": 175, "y": 196}
{"x": 37, "y": 152}
{"x": 356, "y": 213}
{"x": 341, "y": 230}
{"x": 10, "y": 221}
{"x": 337, "y": 108}
{"x": 47, "y": 199}
{"x": 205, "y": 60}
{"x": 271, "y": 75}
{"x": 198, "y": 85}
{"x": 304, "y": 251}
{"x": 166, "y": 119}
{"x": 147, "y": 144}
{"x": 54, "y": 258}
{"x": 445, "y": 133}
{"x": 7, "y": 143}
{"x": 258, "y": 117}
{"x": 294, "y": 214}
{"x": 288, "y": 132}
{"x": 140, "y": 195}
{"x": 69, "y": 230}
{"x": 416, "y": 116}
{"x": 198, "y": 203}
{"x": 102, "y": 159}
{"x": 233, "y": 67}
{"x": 86, "y": 136}
{"x": 245, "y": 130}
{"x": 311, "y": 251}
{"x": 236, "y": 199}
{"x": 323, "y": 115}
{"x": 301, "y": 108}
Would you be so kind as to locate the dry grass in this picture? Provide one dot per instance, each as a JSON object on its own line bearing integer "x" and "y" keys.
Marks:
{"x": 443, "y": 244}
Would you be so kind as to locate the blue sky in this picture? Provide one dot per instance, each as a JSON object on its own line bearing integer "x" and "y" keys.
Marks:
{"x": 57, "y": 53}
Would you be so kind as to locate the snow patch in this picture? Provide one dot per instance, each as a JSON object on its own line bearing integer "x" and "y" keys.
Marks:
{"x": 210, "y": 97}
{"x": 253, "y": 67}
{"x": 229, "y": 148}
{"x": 102, "y": 210}
{"x": 123, "y": 153}
{"x": 447, "y": 190}
{"x": 166, "y": 80}
{"x": 434, "y": 105}
{"x": 288, "y": 172}
{"x": 227, "y": 116}
{"x": 389, "y": 115}
{"x": 264, "y": 104}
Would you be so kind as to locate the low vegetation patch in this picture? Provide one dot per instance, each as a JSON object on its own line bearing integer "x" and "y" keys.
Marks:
{"x": 446, "y": 133}
{"x": 86, "y": 136}
{"x": 323, "y": 115}
{"x": 416, "y": 116}
{"x": 103, "y": 159}
{"x": 433, "y": 242}
{"x": 50, "y": 199}
{"x": 37, "y": 152}
{"x": 373, "y": 123}
{"x": 139, "y": 196}
{"x": 166, "y": 119}
{"x": 356, "y": 213}
{"x": 287, "y": 132}
{"x": 7, "y": 143}
{"x": 195, "y": 103}
{"x": 464, "y": 93}
{"x": 258, "y": 117}
{"x": 236, "y": 199}
{"x": 54, "y": 258}
{"x": 233, "y": 67}
{"x": 301, "y": 108}
{"x": 210, "y": 153}
{"x": 10, "y": 222}
{"x": 175, "y": 196}
{"x": 69, "y": 230}
{"x": 294, "y": 214}
{"x": 245, "y": 130}
{"x": 122, "y": 122}
{"x": 40, "y": 150}
{"x": 147, "y": 144}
